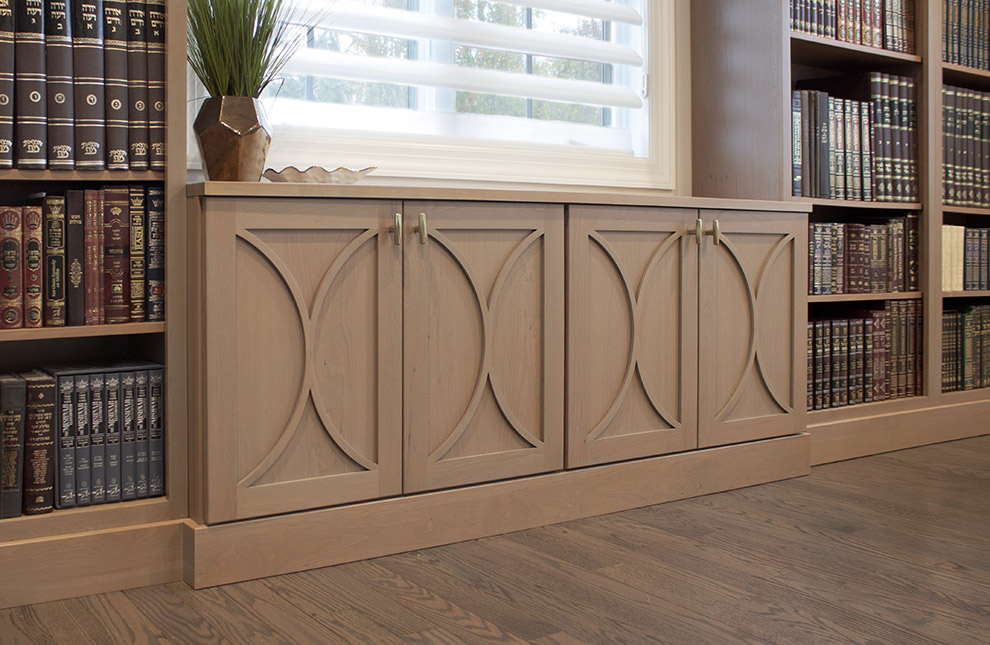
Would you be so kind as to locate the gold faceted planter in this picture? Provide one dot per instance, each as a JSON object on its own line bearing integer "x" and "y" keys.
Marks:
{"x": 234, "y": 135}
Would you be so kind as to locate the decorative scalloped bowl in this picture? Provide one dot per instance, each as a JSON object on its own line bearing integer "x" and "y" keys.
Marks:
{"x": 317, "y": 175}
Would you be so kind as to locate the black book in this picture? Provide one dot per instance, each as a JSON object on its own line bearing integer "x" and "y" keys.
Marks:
{"x": 12, "y": 403}
{"x": 114, "y": 419}
{"x": 156, "y": 432}
{"x": 115, "y": 83}
{"x": 65, "y": 385}
{"x": 137, "y": 84}
{"x": 97, "y": 442}
{"x": 139, "y": 220}
{"x": 30, "y": 93}
{"x": 75, "y": 252}
{"x": 83, "y": 431}
{"x": 155, "y": 254}
{"x": 155, "y": 25}
{"x": 6, "y": 83}
{"x": 58, "y": 71}
{"x": 141, "y": 440}
{"x": 128, "y": 467}
{"x": 39, "y": 444}
{"x": 54, "y": 241}
{"x": 89, "y": 95}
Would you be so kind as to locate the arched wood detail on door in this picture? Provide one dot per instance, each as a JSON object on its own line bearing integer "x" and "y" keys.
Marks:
{"x": 309, "y": 388}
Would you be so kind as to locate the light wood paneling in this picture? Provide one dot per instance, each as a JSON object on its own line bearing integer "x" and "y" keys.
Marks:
{"x": 632, "y": 333}
{"x": 271, "y": 546}
{"x": 483, "y": 307}
{"x": 303, "y": 355}
{"x": 753, "y": 315}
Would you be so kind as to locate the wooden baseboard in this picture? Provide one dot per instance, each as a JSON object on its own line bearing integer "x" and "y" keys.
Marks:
{"x": 81, "y": 564}
{"x": 239, "y": 551}
{"x": 876, "y": 433}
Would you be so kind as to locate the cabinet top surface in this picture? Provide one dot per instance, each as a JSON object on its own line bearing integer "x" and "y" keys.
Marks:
{"x": 495, "y": 192}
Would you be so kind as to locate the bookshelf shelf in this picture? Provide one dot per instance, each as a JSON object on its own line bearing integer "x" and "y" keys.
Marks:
{"x": 861, "y": 410}
{"x": 867, "y": 297}
{"x": 91, "y": 331}
{"x": 977, "y": 79}
{"x": 966, "y": 210}
{"x": 965, "y": 294}
{"x": 967, "y": 396}
{"x": 819, "y": 51}
{"x": 88, "y": 518}
{"x": 846, "y": 203}
{"x": 101, "y": 176}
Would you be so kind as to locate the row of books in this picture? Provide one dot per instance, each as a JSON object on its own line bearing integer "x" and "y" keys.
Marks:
{"x": 965, "y": 147}
{"x": 873, "y": 355}
{"x": 88, "y": 257}
{"x": 82, "y": 84}
{"x": 886, "y": 24}
{"x": 81, "y": 436}
{"x": 965, "y": 258}
{"x": 863, "y": 258}
{"x": 853, "y": 149}
{"x": 966, "y": 32}
{"x": 966, "y": 348}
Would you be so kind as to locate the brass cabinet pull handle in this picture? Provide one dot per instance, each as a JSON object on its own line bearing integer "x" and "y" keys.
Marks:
{"x": 716, "y": 233}
{"x": 396, "y": 230}
{"x": 699, "y": 228}
{"x": 700, "y": 232}
{"x": 421, "y": 229}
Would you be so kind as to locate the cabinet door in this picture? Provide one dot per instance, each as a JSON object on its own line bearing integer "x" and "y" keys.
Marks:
{"x": 753, "y": 313}
{"x": 483, "y": 340}
{"x": 303, "y": 346}
{"x": 631, "y": 333}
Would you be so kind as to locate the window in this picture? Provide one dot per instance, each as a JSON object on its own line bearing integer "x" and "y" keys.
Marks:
{"x": 555, "y": 91}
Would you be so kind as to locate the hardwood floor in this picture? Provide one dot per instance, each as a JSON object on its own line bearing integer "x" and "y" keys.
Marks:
{"x": 887, "y": 549}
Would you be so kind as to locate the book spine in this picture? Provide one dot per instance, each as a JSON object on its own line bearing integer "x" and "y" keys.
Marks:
{"x": 114, "y": 426}
{"x": 115, "y": 73}
{"x": 89, "y": 99}
{"x": 946, "y": 351}
{"x": 839, "y": 258}
{"x": 156, "y": 432}
{"x": 139, "y": 218}
{"x": 913, "y": 235}
{"x": 855, "y": 154}
{"x": 97, "y": 442}
{"x": 824, "y": 150}
{"x": 75, "y": 257}
{"x": 807, "y": 130}
{"x": 141, "y": 437}
{"x": 116, "y": 254}
{"x": 819, "y": 363}
{"x": 12, "y": 402}
{"x": 90, "y": 262}
{"x": 855, "y": 361}
{"x": 66, "y": 426}
{"x": 796, "y": 143}
{"x": 155, "y": 25}
{"x": 83, "y": 432}
{"x": 99, "y": 294}
{"x": 970, "y": 269}
{"x": 897, "y": 127}
{"x": 58, "y": 72}
{"x": 827, "y": 364}
{"x": 155, "y": 258}
{"x": 39, "y": 446}
{"x": 33, "y": 245}
{"x": 811, "y": 367}
{"x": 6, "y": 83}
{"x": 984, "y": 259}
{"x": 30, "y": 92}
{"x": 837, "y": 385}
{"x": 911, "y": 105}
{"x": 54, "y": 270}
{"x": 948, "y": 155}
{"x": 910, "y": 340}
{"x": 128, "y": 467}
{"x": 11, "y": 271}
{"x": 833, "y": 147}
{"x": 841, "y": 149}
{"x": 868, "y": 353}
{"x": 137, "y": 83}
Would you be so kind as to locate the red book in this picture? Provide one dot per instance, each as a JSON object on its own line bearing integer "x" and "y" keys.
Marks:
{"x": 11, "y": 278}
{"x": 116, "y": 254}
{"x": 90, "y": 263}
{"x": 34, "y": 255}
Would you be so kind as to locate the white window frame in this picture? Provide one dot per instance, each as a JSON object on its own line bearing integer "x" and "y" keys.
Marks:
{"x": 458, "y": 158}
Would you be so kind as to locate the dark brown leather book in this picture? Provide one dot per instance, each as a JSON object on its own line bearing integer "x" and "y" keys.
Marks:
{"x": 6, "y": 83}
{"x": 34, "y": 263}
{"x": 115, "y": 82}
{"x": 58, "y": 71}
{"x": 116, "y": 254}
{"x": 39, "y": 444}
{"x": 89, "y": 96}
{"x": 137, "y": 84}
{"x": 12, "y": 399}
{"x": 30, "y": 93}
{"x": 139, "y": 219}
{"x": 55, "y": 278}
{"x": 156, "y": 83}
{"x": 11, "y": 270}
{"x": 75, "y": 258}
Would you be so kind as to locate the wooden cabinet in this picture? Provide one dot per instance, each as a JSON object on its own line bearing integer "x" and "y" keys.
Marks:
{"x": 675, "y": 345}
{"x": 303, "y": 355}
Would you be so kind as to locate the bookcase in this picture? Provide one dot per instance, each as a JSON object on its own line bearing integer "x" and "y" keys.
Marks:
{"x": 752, "y": 61}
{"x": 78, "y": 551}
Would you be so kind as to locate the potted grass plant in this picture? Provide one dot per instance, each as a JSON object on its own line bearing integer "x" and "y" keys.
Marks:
{"x": 237, "y": 48}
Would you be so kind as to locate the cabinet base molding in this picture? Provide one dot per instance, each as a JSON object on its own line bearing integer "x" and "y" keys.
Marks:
{"x": 237, "y": 551}
{"x": 888, "y": 431}
{"x": 81, "y": 564}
